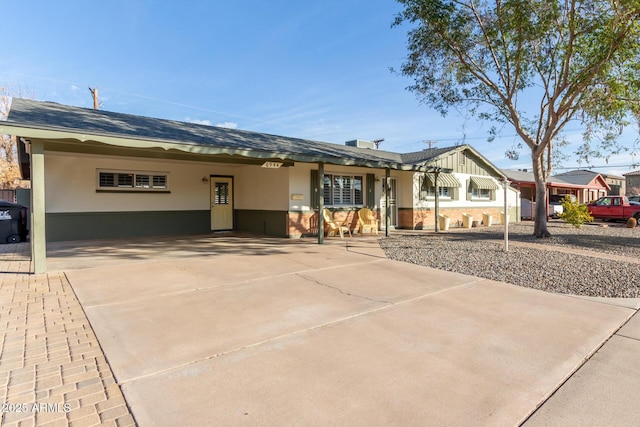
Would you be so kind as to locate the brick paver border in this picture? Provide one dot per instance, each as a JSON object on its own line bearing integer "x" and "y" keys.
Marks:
{"x": 52, "y": 369}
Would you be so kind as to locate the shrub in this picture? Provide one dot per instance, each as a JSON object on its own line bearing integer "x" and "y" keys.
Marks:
{"x": 632, "y": 222}
{"x": 575, "y": 213}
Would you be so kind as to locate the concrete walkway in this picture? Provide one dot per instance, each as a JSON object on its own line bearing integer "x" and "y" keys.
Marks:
{"x": 227, "y": 331}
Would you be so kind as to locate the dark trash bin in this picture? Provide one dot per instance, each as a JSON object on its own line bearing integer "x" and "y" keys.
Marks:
{"x": 13, "y": 222}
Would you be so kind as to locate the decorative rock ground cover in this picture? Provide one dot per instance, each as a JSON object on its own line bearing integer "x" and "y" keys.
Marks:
{"x": 601, "y": 260}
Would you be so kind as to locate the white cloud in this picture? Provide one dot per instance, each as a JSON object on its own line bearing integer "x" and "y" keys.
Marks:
{"x": 228, "y": 125}
{"x": 198, "y": 121}
{"x": 74, "y": 88}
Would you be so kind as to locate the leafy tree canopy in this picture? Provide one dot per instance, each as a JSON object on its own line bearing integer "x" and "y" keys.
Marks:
{"x": 9, "y": 171}
{"x": 534, "y": 65}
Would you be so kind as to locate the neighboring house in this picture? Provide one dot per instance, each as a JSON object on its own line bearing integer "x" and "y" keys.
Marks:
{"x": 97, "y": 174}
{"x": 632, "y": 183}
{"x": 584, "y": 186}
{"x": 595, "y": 184}
{"x": 617, "y": 184}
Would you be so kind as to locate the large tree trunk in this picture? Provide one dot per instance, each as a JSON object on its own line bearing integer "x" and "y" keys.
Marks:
{"x": 540, "y": 222}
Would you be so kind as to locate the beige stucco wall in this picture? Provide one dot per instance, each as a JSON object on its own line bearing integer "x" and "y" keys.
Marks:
{"x": 71, "y": 184}
{"x": 300, "y": 186}
{"x": 262, "y": 189}
{"x": 405, "y": 188}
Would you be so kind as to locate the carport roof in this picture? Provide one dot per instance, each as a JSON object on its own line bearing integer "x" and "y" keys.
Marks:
{"x": 50, "y": 121}
{"x": 572, "y": 180}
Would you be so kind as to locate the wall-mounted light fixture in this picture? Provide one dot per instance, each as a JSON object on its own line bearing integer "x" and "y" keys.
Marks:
{"x": 205, "y": 180}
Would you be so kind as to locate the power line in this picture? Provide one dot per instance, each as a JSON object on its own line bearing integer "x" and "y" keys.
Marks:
{"x": 597, "y": 167}
{"x": 145, "y": 97}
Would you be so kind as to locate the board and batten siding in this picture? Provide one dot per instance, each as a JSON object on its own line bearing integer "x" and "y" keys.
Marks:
{"x": 462, "y": 162}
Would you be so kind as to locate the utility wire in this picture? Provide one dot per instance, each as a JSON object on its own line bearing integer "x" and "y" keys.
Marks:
{"x": 597, "y": 167}
{"x": 145, "y": 97}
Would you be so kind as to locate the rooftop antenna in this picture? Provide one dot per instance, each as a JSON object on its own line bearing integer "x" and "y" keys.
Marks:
{"x": 378, "y": 142}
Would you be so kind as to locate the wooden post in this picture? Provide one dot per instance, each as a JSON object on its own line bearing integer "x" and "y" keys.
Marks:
{"x": 505, "y": 183}
{"x": 437, "y": 198}
{"x": 320, "y": 189}
{"x": 387, "y": 208}
{"x": 37, "y": 232}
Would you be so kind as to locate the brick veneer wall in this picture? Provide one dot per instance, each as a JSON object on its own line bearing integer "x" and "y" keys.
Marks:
{"x": 418, "y": 219}
{"x": 306, "y": 223}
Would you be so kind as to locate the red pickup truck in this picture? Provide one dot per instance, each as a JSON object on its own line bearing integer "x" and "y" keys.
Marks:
{"x": 614, "y": 207}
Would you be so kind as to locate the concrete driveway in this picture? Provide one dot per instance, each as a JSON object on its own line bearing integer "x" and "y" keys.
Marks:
{"x": 252, "y": 331}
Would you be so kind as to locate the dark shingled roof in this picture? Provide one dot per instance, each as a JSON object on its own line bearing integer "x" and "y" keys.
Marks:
{"x": 87, "y": 125}
{"x": 518, "y": 176}
{"x": 88, "y": 122}
{"x": 578, "y": 177}
{"x": 424, "y": 155}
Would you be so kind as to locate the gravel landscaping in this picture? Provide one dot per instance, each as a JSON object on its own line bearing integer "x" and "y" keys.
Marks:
{"x": 545, "y": 264}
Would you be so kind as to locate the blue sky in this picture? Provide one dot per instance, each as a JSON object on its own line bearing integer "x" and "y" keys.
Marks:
{"x": 313, "y": 70}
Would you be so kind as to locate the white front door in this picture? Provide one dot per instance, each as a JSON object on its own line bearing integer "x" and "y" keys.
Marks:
{"x": 221, "y": 202}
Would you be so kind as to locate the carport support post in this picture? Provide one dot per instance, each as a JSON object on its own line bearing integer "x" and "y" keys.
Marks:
{"x": 505, "y": 184}
{"x": 437, "y": 198}
{"x": 387, "y": 208}
{"x": 320, "y": 190}
{"x": 37, "y": 233}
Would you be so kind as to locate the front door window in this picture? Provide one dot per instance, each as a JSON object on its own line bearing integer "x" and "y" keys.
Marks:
{"x": 221, "y": 203}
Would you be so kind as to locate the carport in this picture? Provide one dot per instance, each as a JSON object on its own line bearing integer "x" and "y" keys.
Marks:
{"x": 69, "y": 137}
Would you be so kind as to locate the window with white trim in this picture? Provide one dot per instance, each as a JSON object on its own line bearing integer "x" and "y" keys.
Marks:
{"x": 482, "y": 188}
{"x": 108, "y": 180}
{"x": 428, "y": 190}
{"x": 342, "y": 190}
{"x": 481, "y": 193}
